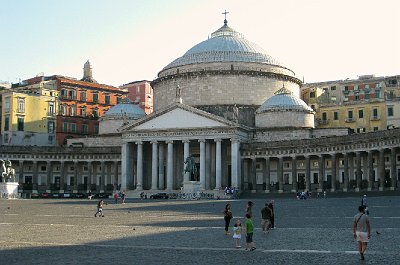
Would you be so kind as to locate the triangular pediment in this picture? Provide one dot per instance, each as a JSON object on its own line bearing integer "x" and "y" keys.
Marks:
{"x": 179, "y": 116}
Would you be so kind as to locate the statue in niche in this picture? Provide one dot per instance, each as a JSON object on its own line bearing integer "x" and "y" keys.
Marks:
{"x": 191, "y": 168}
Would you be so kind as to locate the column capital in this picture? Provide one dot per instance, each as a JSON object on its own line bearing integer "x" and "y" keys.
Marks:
{"x": 235, "y": 139}
{"x": 154, "y": 142}
{"x": 186, "y": 141}
{"x": 139, "y": 142}
{"x": 202, "y": 140}
{"x": 169, "y": 142}
{"x": 218, "y": 140}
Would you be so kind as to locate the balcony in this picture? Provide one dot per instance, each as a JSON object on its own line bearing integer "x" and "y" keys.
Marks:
{"x": 322, "y": 122}
{"x": 350, "y": 120}
{"x": 375, "y": 118}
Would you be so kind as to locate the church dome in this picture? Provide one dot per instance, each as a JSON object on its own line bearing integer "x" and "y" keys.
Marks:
{"x": 284, "y": 100}
{"x": 225, "y": 45}
{"x": 125, "y": 109}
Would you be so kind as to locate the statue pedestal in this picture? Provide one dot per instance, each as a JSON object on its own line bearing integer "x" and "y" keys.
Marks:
{"x": 191, "y": 186}
{"x": 9, "y": 190}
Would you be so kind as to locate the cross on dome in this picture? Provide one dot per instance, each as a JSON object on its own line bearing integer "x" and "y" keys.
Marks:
{"x": 225, "y": 21}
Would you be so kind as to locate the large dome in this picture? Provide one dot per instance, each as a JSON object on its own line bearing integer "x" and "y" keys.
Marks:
{"x": 225, "y": 45}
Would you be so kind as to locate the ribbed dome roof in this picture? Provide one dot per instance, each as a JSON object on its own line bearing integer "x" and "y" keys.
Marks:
{"x": 127, "y": 109}
{"x": 284, "y": 100}
{"x": 225, "y": 45}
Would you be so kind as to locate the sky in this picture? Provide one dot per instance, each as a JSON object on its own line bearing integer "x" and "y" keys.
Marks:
{"x": 131, "y": 40}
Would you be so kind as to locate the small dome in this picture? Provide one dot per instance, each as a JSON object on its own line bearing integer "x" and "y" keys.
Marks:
{"x": 284, "y": 100}
{"x": 125, "y": 109}
{"x": 225, "y": 45}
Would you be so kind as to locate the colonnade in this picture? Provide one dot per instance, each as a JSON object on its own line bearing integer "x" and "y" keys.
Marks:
{"x": 166, "y": 163}
{"x": 365, "y": 170}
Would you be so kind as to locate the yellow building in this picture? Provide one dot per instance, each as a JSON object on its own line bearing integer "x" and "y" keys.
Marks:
{"x": 28, "y": 118}
{"x": 361, "y": 117}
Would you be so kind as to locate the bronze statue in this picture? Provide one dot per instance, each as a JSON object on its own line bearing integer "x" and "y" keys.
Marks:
{"x": 191, "y": 168}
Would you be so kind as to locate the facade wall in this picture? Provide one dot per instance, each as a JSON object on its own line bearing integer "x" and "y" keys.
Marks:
{"x": 276, "y": 119}
{"x": 140, "y": 93}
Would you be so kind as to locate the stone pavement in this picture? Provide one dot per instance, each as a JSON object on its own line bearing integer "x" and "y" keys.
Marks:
{"x": 313, "y": 231}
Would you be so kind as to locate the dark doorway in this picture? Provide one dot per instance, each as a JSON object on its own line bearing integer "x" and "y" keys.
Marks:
{"x": 301, "y": 181}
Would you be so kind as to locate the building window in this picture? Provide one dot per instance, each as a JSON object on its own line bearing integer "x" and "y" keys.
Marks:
{"x": 107, "y": 99}
{"x": 82, "y": 111}
{"x": 138, "y": 89}
{"x": 312, "y": 94}
{"x": 50, "y": 127}
{"x": 350, "y": 115}
{"x": 366, "y": 96}
{"x": 51, "y": 139}
{"x": 376, "y": 129}
{"x": 72, "y": 110}
{"x": 6, "y": 123}
{"x": 333, "y": 88}
{"x": 377, "y": 94}
{"x": 118, "y": 100}
{"x": 7, "y": 104}
{"x": 324, "y": 116}
{"x": 6, "y": 138}
{"x": 375, "y": 113}
{"x": 335, "y": 115}
{"x": 83, "y": 95}
{"x": 360, "y": 130}
{"x": 390, "y": 111}
{"x": 95, "y": 113}
{"x": 286, "y": 165}
{"x": 95, "y": 97}
{"x": 96, "y": 129}
{"x": 73, "y": 127}
{"x": 85, "y": 128}
{"x": 51, "y": 109}
{"x": 315, "y": 175}
{"x": 21, "y": 105}
{"x": 20, "y": 124}
{"x": 65, "y": 127}
{"x": 64, "y": 110}
{"x": 360, "y": 114}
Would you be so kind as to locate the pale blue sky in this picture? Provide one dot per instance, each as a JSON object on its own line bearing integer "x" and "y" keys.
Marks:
{"x": 128, "y": 40}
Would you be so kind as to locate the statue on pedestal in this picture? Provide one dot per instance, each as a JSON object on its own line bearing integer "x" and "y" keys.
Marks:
{"x": 191, "y": 168}
{"x": 7, "y": 171}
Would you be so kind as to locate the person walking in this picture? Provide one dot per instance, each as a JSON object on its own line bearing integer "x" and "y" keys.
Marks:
{"x": 272, "y": 214}
{"x": 249, "y": 208}
{"x": 99, "y": 209}
{"x": 365, "y": 203}
{"x": 266, "y": 214}
{"x": 237, "y": 233}
{"x": 116, "y": 197}
{"x": 123, "y": 196}
{"x": 227, "y": 217}
{"x": 361, "y": 230}
{"x": 249, "y": 226}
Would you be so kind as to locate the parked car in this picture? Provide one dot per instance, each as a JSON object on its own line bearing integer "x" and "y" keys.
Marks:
{"x": 160, "y": 195}
{"x": 45, "y": 195}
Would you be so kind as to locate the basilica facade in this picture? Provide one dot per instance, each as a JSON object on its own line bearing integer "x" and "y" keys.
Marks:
{"x": 235, "y": 111}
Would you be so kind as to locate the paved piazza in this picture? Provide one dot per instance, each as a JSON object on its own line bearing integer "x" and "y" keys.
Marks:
{"x": 313, "y": 231}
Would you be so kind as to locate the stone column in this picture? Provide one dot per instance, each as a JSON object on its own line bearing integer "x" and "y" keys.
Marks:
{"x": 35, "y": 177}
{"x": 308, "y": 173}
{"x": 253, "y": 174}
{"x": 267, "y": 175}
{"x": 321, "y": 171}
{"x": 90, "y": 175}
{"x": 202, "y": 164}
{"x": 154, "y": 165}
{"x": 20, "y": 172}
{"x": 218, "y": 164}
{"x": 62, "y": 178}
{"x": 346, "y": 172}
{"x": 126, "y": 164}
{"x": 170, "y": 165}
{"x": 75, "y": 188}
{"x": 334, "y": 172}
{"x": 115, "y": 183}
{"x": 49, "y": 176}
{"x": 235, "y": 162}
{"x": 371, "y": 178}
{"x": 381, "y": 167}
{"x": 393, "y": 169}
{"x": 161, "y": 173}
{"x": 358, "y": 169}
{"x": 139, "y": 166}
{"x": 208, "y": 165}
{"x": 294, "y": 174}
{"x": 103, "y": 176}
{"x": 280, "y": 174}
{"x": 186, "y": 154}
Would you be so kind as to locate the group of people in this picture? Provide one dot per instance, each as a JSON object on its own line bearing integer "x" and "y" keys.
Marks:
{"x": 118, "y": 195}
{"x": 267, "y": 223}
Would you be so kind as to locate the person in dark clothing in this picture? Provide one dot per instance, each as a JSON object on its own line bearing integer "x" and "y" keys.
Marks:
{"x": 273, "y": 214}
{"x": 227, "y": 217}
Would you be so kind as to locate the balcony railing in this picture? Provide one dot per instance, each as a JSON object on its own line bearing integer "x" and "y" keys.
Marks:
{"x": 350, "y": 120}
{"x": 323, "y": 122}
{"x": 375, "y": 118}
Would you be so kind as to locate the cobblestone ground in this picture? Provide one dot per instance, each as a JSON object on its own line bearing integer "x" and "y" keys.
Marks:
{"x": 313, "y": 231}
